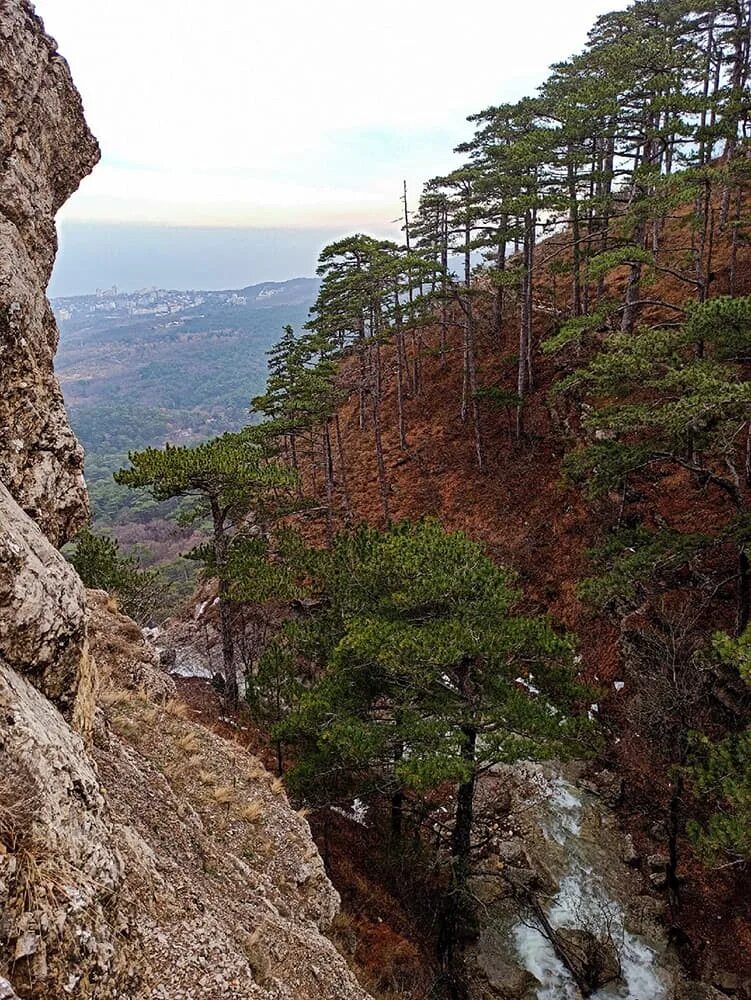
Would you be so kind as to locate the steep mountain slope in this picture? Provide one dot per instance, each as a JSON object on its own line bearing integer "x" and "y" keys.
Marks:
{"x": 520, "y": 506}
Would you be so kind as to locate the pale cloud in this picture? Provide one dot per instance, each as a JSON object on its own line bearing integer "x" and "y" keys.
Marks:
{"x": 291, "y": 112}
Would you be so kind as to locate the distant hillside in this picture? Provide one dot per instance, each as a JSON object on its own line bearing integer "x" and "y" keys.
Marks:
{"x": 146, "y": 367}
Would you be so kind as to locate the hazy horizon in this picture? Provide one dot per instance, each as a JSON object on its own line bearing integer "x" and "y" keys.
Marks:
{"x": 99, "y": 255}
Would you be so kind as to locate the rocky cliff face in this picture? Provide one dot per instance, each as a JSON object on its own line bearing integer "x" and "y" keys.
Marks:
{"x": 45, "y": 150}
{"x": 140, "y": 854}
{"x": 42, "y": 615}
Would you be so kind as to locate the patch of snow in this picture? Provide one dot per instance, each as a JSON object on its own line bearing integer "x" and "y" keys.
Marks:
{"x": 526, "y": 684}
{"x": 188, "y": 666}
{"x": 357, "y": 812}
{"x": 233, "y": 722}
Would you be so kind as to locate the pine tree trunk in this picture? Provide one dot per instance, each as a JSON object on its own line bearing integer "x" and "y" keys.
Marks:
{"x": 328, "y": 467}
{"x": 734, "y": 241}
{"x": 456, "y": 917}
{"x": 342, "y": 467}
{"x": 461, "y": 837}
{"x": 575, "y": 235}
{"x": 465, "y": 373}
{"x": 361, "y": 385}
{"x": 607, "y": 189}
{"x": 501, "y": 266}
{"x": 737, "y": 83}
{"x": 380, "y": 464}
{"x": 471, "y": 369}
{"x": 530, "y": 288}
{"x": 521, "y": 371}
{"x": 399, "y": 344}
{"x": 313, "y": 464}
{"x": 524, "y": 370}
{"x": 628, "y": 319}
{"x": 704, "y": 147}
{"x": 225, "y": 611}
{"x": 674, "y": 824}
{"x": 743, "y": 591}
{"x": 397, "y": 799}
{"x": 444, "y": 282}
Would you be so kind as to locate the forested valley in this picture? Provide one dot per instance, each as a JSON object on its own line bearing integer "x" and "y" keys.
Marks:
{"x": 498, "y": 516}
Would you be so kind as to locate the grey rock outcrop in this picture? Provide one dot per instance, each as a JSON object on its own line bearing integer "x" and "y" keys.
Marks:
{"x": 42, "y": 615}
{"x": 63, "y": 919}
{"x": 46, "y": 149}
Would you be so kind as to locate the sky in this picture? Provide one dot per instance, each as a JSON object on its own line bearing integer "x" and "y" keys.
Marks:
{"x": 300, "y": 117}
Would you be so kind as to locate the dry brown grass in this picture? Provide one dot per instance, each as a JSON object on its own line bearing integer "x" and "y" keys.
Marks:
{"x": 225, "y": 795}
{"x": 176, "y": 708}
{"x": 151, "y": 715}
{"x": 41, "y": 879}
{"x": 19, "y": 804}
{"x": 114, "y": 697}
{"x": 256, "y": 771}
{"x": 188, "y": 743}
{"x": 277, "y": 786}
{"x": 253, "y": 811}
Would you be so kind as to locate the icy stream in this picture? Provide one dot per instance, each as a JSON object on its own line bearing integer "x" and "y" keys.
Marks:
{"x": 586, "y": 898}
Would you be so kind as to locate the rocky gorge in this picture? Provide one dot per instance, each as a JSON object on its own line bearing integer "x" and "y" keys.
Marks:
{"x": 145, "y": 854}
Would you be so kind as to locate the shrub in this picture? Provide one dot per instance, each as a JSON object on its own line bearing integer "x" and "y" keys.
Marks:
{"x": 100, "y": 564}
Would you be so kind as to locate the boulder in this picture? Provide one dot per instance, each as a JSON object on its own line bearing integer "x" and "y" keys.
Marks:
{"x": 499, "y": 978}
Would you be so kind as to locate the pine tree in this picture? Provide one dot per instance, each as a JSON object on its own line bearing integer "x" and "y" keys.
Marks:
{"x": 102, "y": 566}
{"x": 428, "y": 675}
{"x": 673, "y": 405}
{"x": 367, "y": 296}
{"x": 721, "y": 773}
{"x": 231, "y": 480}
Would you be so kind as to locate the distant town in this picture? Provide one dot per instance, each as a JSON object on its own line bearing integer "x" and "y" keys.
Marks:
{"x": 115, "y": 304}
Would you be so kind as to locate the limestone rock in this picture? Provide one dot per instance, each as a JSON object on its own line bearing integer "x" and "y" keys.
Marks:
{"x": 45, "y": 150}
{"x": 170, "y": 865}
{"x": 61, "y": 911}
{"x": 500, "y": 978}
{"x": 119, "y": 645}
{"x": 657, "y": 865}
{"x": 42, "y": 616}
{"x": 699, "y": 991}
{"x": 232, "y": 897}
{"x": 6, "y": 990}
{"x": 593, "y": 961}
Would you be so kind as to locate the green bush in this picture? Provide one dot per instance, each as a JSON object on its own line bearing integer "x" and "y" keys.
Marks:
{"x": 100, "y": 564}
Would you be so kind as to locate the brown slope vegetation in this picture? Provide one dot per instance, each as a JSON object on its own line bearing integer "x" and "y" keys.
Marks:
{"x": 520, "y": 507}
